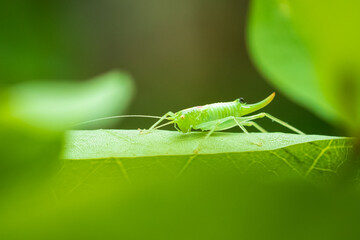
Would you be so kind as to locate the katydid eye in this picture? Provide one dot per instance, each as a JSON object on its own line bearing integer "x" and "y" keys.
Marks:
{"x": 241, "y": 100}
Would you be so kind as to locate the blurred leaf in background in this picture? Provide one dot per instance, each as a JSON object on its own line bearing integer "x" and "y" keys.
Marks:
{"x": 310, "y": 51}
{"x": 34, "y": 116}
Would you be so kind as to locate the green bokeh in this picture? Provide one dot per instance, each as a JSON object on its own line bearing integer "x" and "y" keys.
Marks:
{"x": 181, "y": 54}
{"x": 311, "y": 54}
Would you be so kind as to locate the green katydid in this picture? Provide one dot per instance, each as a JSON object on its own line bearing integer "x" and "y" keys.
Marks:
{"x": 215, "y": 117}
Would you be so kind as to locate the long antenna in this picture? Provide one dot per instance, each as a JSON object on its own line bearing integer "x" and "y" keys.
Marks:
{"x": 112, "y": 117}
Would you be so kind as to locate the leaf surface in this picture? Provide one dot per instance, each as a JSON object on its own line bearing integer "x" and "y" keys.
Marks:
{"x": 127, "y": 155}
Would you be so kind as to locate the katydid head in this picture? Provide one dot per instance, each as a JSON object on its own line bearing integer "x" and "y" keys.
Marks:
{"x": 249, "y": 108}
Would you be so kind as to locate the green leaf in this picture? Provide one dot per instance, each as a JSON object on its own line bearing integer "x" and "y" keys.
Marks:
{"x": 34, "y": 115}
{"x": 128, "y": 185}
{"x": 59, "y": 105}
{"x": 282, "y": 55}
{"x": 310, "y": 53}
{"x": 169, "y": 154}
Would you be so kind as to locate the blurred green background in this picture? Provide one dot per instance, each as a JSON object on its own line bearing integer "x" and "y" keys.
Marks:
{"x": 58, "y": 67}
{"x": 180, "y": 53}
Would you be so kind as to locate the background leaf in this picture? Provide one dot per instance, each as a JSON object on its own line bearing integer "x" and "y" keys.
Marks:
{"x": 310, "y": 55}
{"x": 34, "y": 115}
{"x": 59, "y": 105}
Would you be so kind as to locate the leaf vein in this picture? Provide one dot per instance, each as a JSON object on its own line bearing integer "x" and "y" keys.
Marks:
{"x": 123, "y": 170}
{"x": 285, "y": 161}
{"x": 318, "y": 157}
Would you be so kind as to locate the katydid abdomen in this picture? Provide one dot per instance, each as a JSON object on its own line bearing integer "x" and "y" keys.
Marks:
{"x": 190, "y": 118}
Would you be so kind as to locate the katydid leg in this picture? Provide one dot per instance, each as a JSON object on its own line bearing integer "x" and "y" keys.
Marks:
{"x": 255, "y": 125}
{"x": 160, "y": 120}
{"x": 240, "y": 124}
{"x": 196, "y": 151}
{"x": 262, "y": 115}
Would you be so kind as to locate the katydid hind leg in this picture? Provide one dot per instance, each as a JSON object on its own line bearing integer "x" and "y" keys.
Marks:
{"x": 197, "y": 149}
{"x": 223, "y": 124}
{"x": 252, "y": 138}
{"x": 284, "y": 124}
{"x": 255, "y": 125}
{"x": 212, "y": 127}
{"x": 262, "y": 115}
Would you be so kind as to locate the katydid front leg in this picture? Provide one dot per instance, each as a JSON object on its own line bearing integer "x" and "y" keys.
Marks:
{"x": 155, "y": 125}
